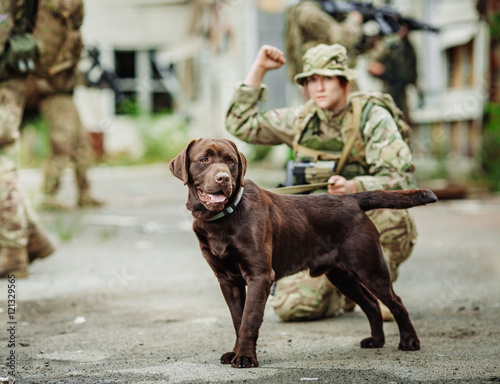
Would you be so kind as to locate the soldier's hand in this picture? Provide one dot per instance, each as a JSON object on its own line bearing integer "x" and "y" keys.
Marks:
{"x": 358, "y": 16}
{"x": 342, "y": 186}
{"x": 270, "y": 57}
{"x": 376, "y": 68}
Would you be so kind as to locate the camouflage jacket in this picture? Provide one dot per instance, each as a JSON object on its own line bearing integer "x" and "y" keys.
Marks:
{"x": 383, "y": 158}
{"x": 307, "y": 25}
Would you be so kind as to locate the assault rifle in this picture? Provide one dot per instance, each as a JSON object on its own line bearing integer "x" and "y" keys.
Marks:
{"x": 388, "y": 19}
{"x": 97, "y": 76}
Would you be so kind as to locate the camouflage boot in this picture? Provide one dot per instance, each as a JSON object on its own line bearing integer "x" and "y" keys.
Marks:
{"x": 52, "y": 178}
{"x": 13, "y": 261}
{"x": 39, "y": 245}
{"x": 86, "y": 200}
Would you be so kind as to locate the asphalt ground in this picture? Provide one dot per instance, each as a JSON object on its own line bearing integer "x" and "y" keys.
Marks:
{"x": 128, "y": 298}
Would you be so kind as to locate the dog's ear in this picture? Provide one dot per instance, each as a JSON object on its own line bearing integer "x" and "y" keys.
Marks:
{"x": 179, "y": 166}
{"x": 242, "y": 163}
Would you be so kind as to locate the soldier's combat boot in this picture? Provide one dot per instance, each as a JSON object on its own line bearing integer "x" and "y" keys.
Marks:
{"x": 86, "y": 200}
{"x": 13, "y": 261}
{"x": 39, "y": 245}
{"x": 386, "y": 313}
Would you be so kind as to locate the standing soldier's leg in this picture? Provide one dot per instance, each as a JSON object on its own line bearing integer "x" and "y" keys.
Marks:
{"x": 17, "y": 230}
{"x": 13, "y": 223}
{"x": 60, "y": 137}
{"x": 82, "y": 158}
{"x": 68, "y": 145}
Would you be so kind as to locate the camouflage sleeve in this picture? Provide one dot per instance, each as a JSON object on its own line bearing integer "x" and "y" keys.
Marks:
{"x": 388, "y": 156}
{"x": 382, "y": 49}
{"x": 246, "y": 122}
{"x": 6, "y": 22}
{"x": 320, "y": 26}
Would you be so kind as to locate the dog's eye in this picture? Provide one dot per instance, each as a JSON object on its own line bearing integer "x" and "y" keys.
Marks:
{"x": 231, "y": 161}
{"x": 204, "y": 160}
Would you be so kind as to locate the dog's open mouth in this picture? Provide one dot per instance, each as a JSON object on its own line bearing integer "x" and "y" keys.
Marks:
{"x": 212, "y": 198}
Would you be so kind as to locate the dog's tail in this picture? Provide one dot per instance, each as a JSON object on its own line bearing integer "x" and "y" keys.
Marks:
{"x": 393, "y": 199}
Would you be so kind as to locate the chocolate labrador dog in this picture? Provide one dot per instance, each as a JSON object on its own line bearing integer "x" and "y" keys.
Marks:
{"x": 251, "y": 237}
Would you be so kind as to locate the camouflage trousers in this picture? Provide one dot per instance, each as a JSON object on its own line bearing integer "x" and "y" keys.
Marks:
{"x": 68, "y": 140}
{"x": 301, "y": 297}
{"x": 15, "y": 214}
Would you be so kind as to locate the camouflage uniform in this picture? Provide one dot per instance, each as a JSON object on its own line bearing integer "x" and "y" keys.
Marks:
{"x": 398, "y": 56}
{"x": 21, "y": 238}
{"x": 380, "y": 159}
{"x": 51, "y": 88}
{"x": 307, "y": 25}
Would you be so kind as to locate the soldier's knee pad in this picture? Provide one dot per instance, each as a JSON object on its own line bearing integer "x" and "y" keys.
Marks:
{"x": 301, "y": 297}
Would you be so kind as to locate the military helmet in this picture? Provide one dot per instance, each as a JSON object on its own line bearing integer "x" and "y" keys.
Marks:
{"x": 325, "y": 60}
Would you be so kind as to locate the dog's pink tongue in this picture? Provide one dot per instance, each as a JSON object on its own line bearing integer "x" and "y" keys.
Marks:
{"x": 219, "y": 198}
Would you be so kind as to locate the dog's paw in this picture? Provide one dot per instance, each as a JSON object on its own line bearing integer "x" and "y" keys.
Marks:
{"x": 409, "y": 343}
{"x": 226, "y": 358}
{"x": 244, "y": 362}
{"x": 371, "y": 342}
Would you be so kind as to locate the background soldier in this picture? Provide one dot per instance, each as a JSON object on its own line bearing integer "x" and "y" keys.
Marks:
{"x": 308, "y": 25}
{"x": 21, "y": 238}
{"x": 51, "y": 88}
{"x": 377, "y": 157}
{"x": 394, "y": 61}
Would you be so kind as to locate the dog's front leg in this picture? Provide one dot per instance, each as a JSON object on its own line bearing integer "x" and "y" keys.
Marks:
{"x": 235, "y": 298}
{"x": 245, "y": 355}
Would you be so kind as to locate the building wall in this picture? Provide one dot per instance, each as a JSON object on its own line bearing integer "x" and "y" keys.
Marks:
{"x": 220, "y": 41}
{"x": 454, "y": 73}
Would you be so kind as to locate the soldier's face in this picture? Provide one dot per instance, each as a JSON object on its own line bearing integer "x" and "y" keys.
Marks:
{"x": 327, "y": 92}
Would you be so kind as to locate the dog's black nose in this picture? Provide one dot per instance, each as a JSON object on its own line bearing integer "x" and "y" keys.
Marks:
{"x": 222, "y": 177}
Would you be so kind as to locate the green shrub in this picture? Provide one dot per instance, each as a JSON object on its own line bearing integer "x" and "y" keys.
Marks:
{"x": 490, "y": 151}
{"x": 163, "y": 136}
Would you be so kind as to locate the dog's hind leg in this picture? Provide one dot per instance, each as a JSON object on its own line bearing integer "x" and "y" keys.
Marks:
{"x": 408, "y": 336}
{"x": 353, "y": 290}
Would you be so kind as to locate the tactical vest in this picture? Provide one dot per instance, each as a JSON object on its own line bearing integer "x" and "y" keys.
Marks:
{"x": 58, "y": 29}
{"x": 350, "y": 158}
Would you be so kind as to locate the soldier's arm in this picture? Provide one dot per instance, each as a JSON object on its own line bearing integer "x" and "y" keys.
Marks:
{"x": 380, "y": 55}
{"x": 388, "y": 156}
{"x": 317, "y": 25}
{"x": 268, "y": 58}
{"x": 246, "y": 122}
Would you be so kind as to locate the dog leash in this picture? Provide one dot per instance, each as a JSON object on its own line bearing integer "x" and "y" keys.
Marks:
{"x": 294, "y": 189}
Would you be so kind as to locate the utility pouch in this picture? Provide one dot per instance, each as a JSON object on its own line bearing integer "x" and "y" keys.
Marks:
{"x": 19, "y": 56}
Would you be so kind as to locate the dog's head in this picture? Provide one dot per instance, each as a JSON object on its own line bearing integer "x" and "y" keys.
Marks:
{"x": 214, "y": 171}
